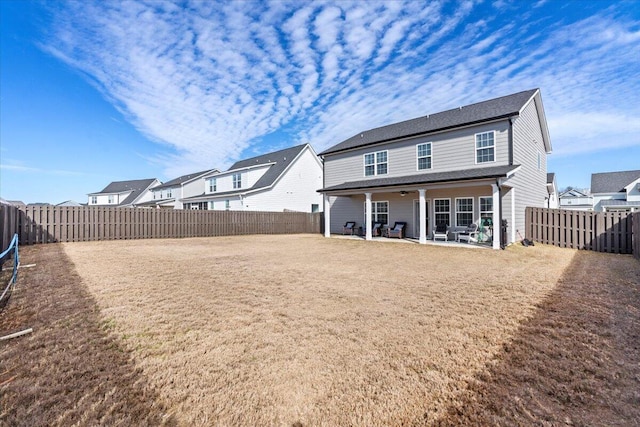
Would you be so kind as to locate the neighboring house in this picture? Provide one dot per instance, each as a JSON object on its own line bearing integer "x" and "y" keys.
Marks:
{"x": 19, "y": 203}
{"x": 284, "y": 180}
{"x": 479, "y": 163}
{"x": 576, "y": 200}
{"x": 616, "y": 191}
{"x": 552, "y": 192}
{"x": 168, "y": 195}
{"x": 124, "y": 193}
{"x": 69, "y": 203}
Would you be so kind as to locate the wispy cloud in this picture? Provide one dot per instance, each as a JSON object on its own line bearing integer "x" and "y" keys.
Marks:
{"x": 32, "y": 170}
{"x": 210, "y": 79}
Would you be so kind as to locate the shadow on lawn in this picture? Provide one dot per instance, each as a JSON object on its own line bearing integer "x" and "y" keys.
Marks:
{"x": 70, "y": 370}
{"x": 575, "y": 362}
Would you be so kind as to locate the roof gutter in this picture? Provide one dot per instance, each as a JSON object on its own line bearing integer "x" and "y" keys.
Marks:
{"x": 414, "y": 135}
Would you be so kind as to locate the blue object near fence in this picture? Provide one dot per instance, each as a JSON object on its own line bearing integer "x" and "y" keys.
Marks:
{"x": 13, "y": 247}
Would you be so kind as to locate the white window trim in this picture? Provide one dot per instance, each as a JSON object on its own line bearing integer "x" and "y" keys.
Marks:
{"x": 375, "y": 163}
{"x": 434, "y": 210}
{"x": 472, "y": 209}
{"x": 374, "y": 211}
{"x": 475, "y": 145}
{"x": 238, "y": 182}
{"x": 430, "y": 156}
{"x": 212, "y": 182}
{"x": 480, "y": 211}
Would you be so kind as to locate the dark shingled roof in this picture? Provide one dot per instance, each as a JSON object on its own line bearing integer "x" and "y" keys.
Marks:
{"x": 282, "y": 160}
{"x": 612, "y": 182}
{"x": 177, "y": 181}
{"x": 550, "y": 177}
{"x": 492, "y": 109}
{"x": 426, "y": 178}
{"x": 136, "y": 186}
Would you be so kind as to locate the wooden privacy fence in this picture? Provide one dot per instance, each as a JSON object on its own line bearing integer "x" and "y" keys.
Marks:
{"x": 636, "y": 234}
{"x": 611, "y": 232}
{"x": 8, "y": 224}
{"x": 49, "y": 224}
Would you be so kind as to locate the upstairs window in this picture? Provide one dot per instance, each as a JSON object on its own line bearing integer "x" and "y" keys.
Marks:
{"x": 110, "y": 198}
{"x": 237, "y": 180}
{"x": 485, "y": 147}
{"x": 539, "y": 161}
{"x": 169, "y": 192}
{"x": 375, "y": 163}
{"x": 213, "y": 185}
{"x": 424, "y": 156}
{"x": 94, "y": 200}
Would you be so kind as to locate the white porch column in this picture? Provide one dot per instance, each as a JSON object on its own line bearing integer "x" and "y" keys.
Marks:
{"x": 327, "y": 216}
{"x": 513, "y": 215}
{"x": 496, "y": 216}
{"x": 367, "y": 215}
{"x": 423, "y": 216}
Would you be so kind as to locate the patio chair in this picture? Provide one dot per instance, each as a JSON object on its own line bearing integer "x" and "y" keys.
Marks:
{"x": 376, "y": 229}
{"x": 397, "y": 230}
{"x": 349, "y": 228}
{"x": 441, "y": 232}
{"x": 470, "y": 234}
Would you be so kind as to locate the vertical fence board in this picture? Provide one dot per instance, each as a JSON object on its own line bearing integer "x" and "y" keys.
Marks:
{"x": 611, "y": 232}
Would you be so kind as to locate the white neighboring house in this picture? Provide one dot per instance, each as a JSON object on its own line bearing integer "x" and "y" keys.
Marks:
{"x": 616, "y": 191}
{"x": 284, "y": 180}
{"x": 124, "y": 193}
{"x": 169, "y": 194}
{"x": 552, "y": 190}
{"x": 576, "y": 200}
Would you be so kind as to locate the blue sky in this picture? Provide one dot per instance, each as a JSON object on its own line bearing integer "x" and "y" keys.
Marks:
{"x": 94, "y": 92}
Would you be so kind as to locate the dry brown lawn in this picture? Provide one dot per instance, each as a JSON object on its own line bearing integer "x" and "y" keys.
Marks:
{"x": 302, "y": 330}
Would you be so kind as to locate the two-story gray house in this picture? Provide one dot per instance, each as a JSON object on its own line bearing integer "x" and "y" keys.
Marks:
{"x": 481, "y": 163}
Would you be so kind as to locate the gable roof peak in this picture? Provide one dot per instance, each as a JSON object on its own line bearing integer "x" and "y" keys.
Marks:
{"x": 484, "y": 111}
{"x": 613, "y": 182}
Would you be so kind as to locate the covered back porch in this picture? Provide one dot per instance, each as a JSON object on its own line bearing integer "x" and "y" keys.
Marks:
{"x": 422, "y": 206}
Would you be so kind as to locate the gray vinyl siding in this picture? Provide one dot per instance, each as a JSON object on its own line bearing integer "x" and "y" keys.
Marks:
{"x": 529, "y": 182}
{"x": 505, "y": 204}
{"x": 351, "y": 208}
{"x": 450, "y": 151}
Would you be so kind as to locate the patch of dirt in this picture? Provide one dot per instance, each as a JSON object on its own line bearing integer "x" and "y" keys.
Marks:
{"x": 576, "y": 362}
{"x": 71, "y": 370}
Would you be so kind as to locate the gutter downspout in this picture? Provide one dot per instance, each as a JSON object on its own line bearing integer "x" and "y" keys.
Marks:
{"x": 499, "y": 226}
{"x": 510, "y": 141}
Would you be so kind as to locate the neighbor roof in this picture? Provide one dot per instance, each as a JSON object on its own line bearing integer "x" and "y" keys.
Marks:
{"x": 136, "y": 186}
{"x": 279, "y": 161}
{"x": 425, "y": 178}
{"x": 612, "y": 182}
{"x": 503, "y": 107}
{"x": 619, "y": 203}
{"x": 182, "y": 179}
{"x": 551, "y": 177}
